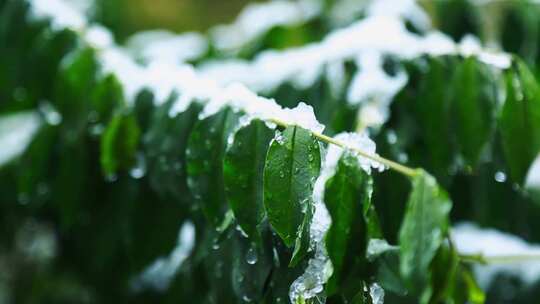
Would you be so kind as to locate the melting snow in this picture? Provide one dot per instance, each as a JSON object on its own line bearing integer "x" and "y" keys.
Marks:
{"x": 311, "y": 283}
{"x": 470, "y": 239}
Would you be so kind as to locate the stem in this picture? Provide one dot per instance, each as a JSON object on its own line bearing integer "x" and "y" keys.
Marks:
{"x": 389, "y": 163}
{"x": 498, "y": 259}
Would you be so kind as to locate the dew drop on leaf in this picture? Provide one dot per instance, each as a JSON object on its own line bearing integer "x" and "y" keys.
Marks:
{"x": 500, "y": 177}
{"x": 251, "y": 256}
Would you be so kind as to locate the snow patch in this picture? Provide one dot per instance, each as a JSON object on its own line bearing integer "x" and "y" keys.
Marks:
{"x": 311, "y": 283}
{"x": 16, "y": 133}
{"x": 63, "y": 14}
{"x": 165, "y": 46}
{"x": 160, "y": 273}
{"x": 257, "y": 19}
{"x": 532, "y": 181}
{"x": 470, "y": 239}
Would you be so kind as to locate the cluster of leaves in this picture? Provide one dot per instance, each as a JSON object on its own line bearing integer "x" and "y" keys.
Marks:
{"x": 115, "y": 182}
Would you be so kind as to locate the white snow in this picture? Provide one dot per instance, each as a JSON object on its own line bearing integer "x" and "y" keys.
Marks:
{"x": 160, "y": 273}
{"x": 99, "y": 37}
{"x": 311, "y": 283}
{"x": 381, "y": 33}
{"x": 165, "y": 46}
{"x": 470, "y": 239}
{"x": 376, "y": 292}
{"x": 16, "y": 132}
{"x": 63, "y": 14}
{"x": 240, "y": 98}
{"x": 256, "y": 19}
{"x": 532, "y": 181}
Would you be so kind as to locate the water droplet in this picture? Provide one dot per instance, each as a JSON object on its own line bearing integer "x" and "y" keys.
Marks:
{"x": 251, "y": 256}
{"x": 206, "y": 165}
{"x": 219, "y": 269}
{"x": 391, "y": 137}
{"x": 500, "y": 177}
{"x": 242, "y": 232}
{"x": 281, "y": 174}
{"x": 51, "y": 116}
{"x": 246, "y": 298}
{"x": 19, "y": 94}
{"x": 139, "y": 170}
{"x": 96, "y": 129}
{"x": 42, "y": 189}
{"x": 275, "y": 257}
{"x": 310, "y": 157}
{"x": 23, "y": 198}
{"x": 215, "y": 246}
{"x": 111, "y": 178}
{"x": 403, "y": 157}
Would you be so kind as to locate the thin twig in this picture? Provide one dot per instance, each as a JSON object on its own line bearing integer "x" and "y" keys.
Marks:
{"x": 389, "y": 163}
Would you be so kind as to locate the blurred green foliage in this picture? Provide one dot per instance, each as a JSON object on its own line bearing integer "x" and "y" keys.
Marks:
{"x": 104, "y": 188}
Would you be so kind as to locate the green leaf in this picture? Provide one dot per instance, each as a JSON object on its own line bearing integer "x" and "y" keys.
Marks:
{"x": 474, "y": 102}
{"x": 119, "y": 144}
{"x": 520, "y": 120}
{"x": 106, "y": 96}
{"x": 76, "y": 79}
{"x": 432, "y": 110}
{"x": 292, "y": 165}
{"x": 466, "y": 290}
{"x": 443, "y": 267}
{"x": 243, "y": 168}
{"x": 165, "y": 146}
{"x": 346, "y": 195}
{"x": 204, "y": 155}
{"x": 385, "y": 257}
{"x": 424, "y": 227}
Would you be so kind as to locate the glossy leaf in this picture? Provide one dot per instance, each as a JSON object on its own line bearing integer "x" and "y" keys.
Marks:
{"x": 243, "y": 168}
{"x": 119, "y": 144}
{"x": 520, "y": 120}
{"x": 423, "y": 229}
{"x": 292, "y": 165}
{"x": 165, "y": 145}
{"x": 204, "y": 156}
{"x": 346, "y": 195}
{"x": 474, "y": 103}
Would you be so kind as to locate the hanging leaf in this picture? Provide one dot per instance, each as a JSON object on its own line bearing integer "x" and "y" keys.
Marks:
{"x": 292, "y": 165}
{"x": 423, "y": 229}
{"x": 165, "y": 145}
{"x": 243, "y": 168}
{"x": 432, "y": 106}
{"x": 346, "y": 195}
{"x": 204, "y": 156}
{"x": 385, "y": 259}
{"x": 520, "y": 120}
{"x": 119, "y": 143}
{"x": 474, "y": 102}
